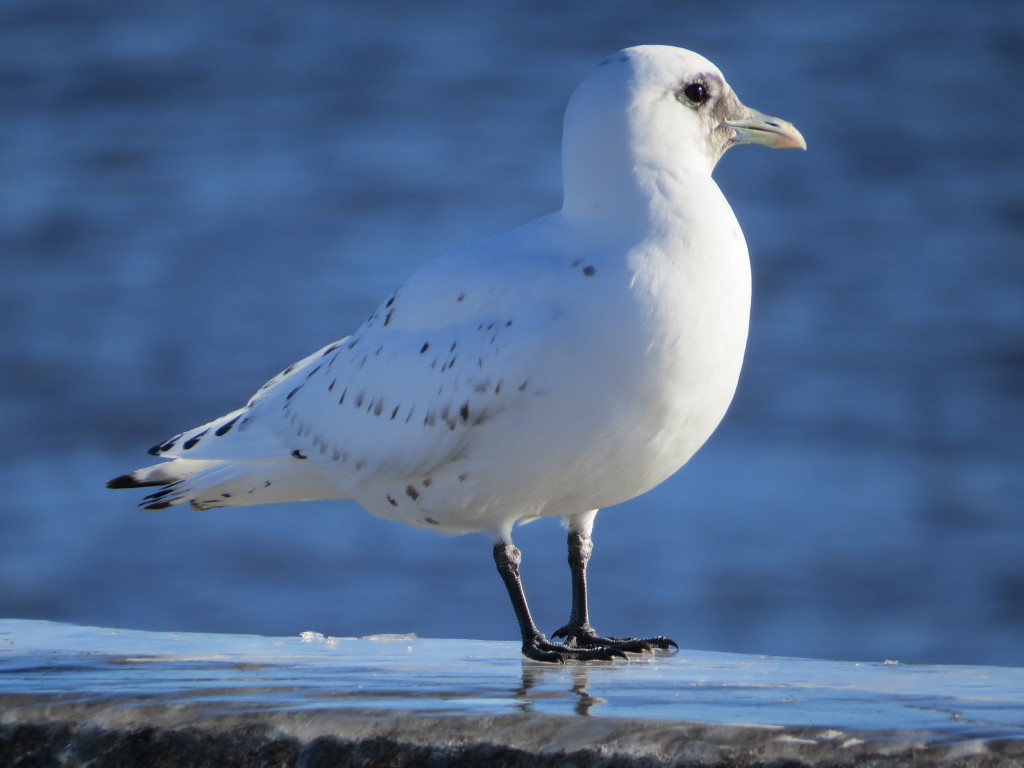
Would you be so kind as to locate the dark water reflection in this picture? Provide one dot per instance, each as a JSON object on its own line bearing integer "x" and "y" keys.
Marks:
{"x": 192, "y": 198}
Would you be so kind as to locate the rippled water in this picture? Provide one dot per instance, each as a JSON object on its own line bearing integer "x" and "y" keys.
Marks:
{"x": 191, "y": 198}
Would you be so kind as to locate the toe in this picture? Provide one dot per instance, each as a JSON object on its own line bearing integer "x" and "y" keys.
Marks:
{"x": 587, "y": 638}
{"x": 541, "y": 649}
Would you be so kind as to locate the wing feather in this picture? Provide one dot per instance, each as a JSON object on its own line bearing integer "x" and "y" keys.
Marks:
{"x": 400, "y": 396}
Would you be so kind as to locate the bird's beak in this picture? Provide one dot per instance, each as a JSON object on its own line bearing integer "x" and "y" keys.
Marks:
{"x": 757, "y": 128}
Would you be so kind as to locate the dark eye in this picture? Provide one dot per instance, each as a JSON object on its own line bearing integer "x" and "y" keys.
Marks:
{"x": 695, "y": 93}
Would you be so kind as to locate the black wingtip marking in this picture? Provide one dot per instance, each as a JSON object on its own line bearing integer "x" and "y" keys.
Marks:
{"x": 157, "y": 505}
{"x": 129, "y": 481}
{"x": 297, "y": 454}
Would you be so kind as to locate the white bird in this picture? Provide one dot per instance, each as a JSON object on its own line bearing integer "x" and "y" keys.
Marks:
{"x": 568, "y": 365}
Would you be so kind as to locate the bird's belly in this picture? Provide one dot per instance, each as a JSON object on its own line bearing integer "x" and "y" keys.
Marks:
{"x": 652, "y": 431}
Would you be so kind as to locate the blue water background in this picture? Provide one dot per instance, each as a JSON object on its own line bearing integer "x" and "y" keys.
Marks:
{"x": 195, "y": 194}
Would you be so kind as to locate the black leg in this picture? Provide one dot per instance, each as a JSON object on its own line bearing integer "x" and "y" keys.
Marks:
{"x": 535, "y": 646}
{"x": 578, "y": 632}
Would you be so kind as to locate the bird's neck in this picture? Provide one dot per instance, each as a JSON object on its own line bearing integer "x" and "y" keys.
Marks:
{"x": 633, "y": 199}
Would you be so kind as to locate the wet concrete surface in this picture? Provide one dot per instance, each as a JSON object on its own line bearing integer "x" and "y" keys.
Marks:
{"x": 73, "y": 695}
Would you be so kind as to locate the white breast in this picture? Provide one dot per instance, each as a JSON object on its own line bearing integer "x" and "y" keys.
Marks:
{"x": 631, "y": 369}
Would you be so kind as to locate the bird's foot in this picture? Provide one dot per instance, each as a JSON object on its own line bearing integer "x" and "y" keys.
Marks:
{"x": 539, "y": 648}
{"x": 585, "y": 638}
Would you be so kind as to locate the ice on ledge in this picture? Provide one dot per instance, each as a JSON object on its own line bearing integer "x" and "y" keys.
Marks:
{"x": 774, "y": 707}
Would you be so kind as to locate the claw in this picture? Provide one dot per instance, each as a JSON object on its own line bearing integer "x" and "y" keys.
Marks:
{"x": 542, "y": 649}
{"x": 585, "y": 637}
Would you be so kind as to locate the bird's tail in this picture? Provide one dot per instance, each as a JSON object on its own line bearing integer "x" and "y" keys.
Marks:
{"x": 205, "y": 484}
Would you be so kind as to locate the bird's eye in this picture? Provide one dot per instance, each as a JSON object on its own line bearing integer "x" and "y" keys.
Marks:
{"x": 695, "y": 93}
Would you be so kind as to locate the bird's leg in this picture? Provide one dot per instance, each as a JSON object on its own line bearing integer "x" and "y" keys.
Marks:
{"x": 535, "y": 645}
{"x": 580, "y": 547}
{"x": 578, "y": 631}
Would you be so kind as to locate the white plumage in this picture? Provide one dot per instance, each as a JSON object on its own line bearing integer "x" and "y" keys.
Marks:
{"x": 567, "y": 365}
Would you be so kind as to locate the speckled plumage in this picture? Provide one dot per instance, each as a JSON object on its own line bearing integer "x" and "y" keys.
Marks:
{"x": 567, "y": 365}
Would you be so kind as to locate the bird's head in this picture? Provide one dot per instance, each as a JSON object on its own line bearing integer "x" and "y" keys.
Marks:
{"x": 656, "y": 106}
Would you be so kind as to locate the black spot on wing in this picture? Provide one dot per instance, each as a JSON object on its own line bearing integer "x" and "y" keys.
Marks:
{"x": 391, "y": 500}
{"x": 411, "y": 492}
{"x": 224, "y": 428}
{"x": 163, "y": 447}
{"x": 191, "y": 442}
{"x": 589, "y": 271}
{"x": 425, "y": 347}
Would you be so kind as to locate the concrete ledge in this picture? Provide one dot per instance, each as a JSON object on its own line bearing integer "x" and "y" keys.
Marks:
{"x": 73, "y": 696}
